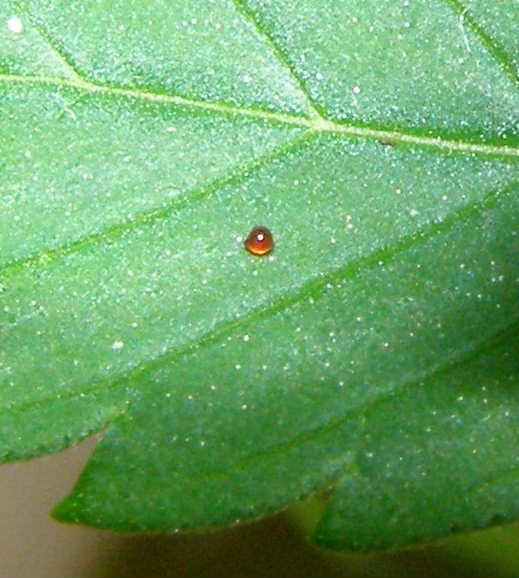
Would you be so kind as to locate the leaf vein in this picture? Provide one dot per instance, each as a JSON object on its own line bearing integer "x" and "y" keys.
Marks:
{"x": 316, "y": 124}
{"x": 235, "y": 175}
{"x": 502, "y": 477}
{"x": 371, "y": 404}
{"x": 491, "y": 44}
{"x": 44, "y": 34}
{"x": 314, "y": 288}
{"x": 280, "y": 56}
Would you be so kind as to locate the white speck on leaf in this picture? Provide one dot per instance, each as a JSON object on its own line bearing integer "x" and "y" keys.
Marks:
{"x": 15, "y": 25}
{"x": 462, "y": 28}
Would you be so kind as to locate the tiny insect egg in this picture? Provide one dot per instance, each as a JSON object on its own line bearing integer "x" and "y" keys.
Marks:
{"x": 259, "y": 241}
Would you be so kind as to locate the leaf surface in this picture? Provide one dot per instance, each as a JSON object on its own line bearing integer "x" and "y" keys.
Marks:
{"x": 374, "y": 351}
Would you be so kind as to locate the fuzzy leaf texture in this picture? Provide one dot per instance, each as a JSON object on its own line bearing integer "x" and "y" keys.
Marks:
{"x": 372, "y": 353}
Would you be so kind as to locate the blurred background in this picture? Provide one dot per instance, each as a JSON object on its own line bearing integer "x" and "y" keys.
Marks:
{"x": 32, "y": 545}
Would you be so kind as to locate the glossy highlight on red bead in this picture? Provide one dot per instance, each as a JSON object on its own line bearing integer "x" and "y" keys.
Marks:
{"x": 259, "y": 241}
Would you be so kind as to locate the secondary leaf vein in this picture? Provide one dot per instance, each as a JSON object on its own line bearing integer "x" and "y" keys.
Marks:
{"x": 281, "y": 57}
{"x": 491, "y": 44}
{"x": 60, "y": 54}
{"x": 314, "y": 288}
{"x": 235, "y": 175}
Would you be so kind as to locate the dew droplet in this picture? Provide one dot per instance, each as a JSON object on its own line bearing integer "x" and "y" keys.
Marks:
{"x": 259, "y": 241}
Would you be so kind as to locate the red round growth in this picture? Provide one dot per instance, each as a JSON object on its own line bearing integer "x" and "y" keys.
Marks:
{"x": 259, "y": 242}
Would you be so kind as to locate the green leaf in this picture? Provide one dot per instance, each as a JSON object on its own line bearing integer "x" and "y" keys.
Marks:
{"x": 374, "y": 352}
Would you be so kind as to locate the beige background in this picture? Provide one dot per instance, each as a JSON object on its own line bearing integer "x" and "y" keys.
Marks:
{"x": 34, "y": 546}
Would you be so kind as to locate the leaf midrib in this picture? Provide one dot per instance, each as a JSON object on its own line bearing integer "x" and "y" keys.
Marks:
{"x": 314, "y": 127}
{"x": 315, "y": 124}
{"x": 316, "y": 121}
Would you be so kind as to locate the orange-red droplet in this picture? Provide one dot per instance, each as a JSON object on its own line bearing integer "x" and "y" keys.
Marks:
{"x": 259, "y": 241}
